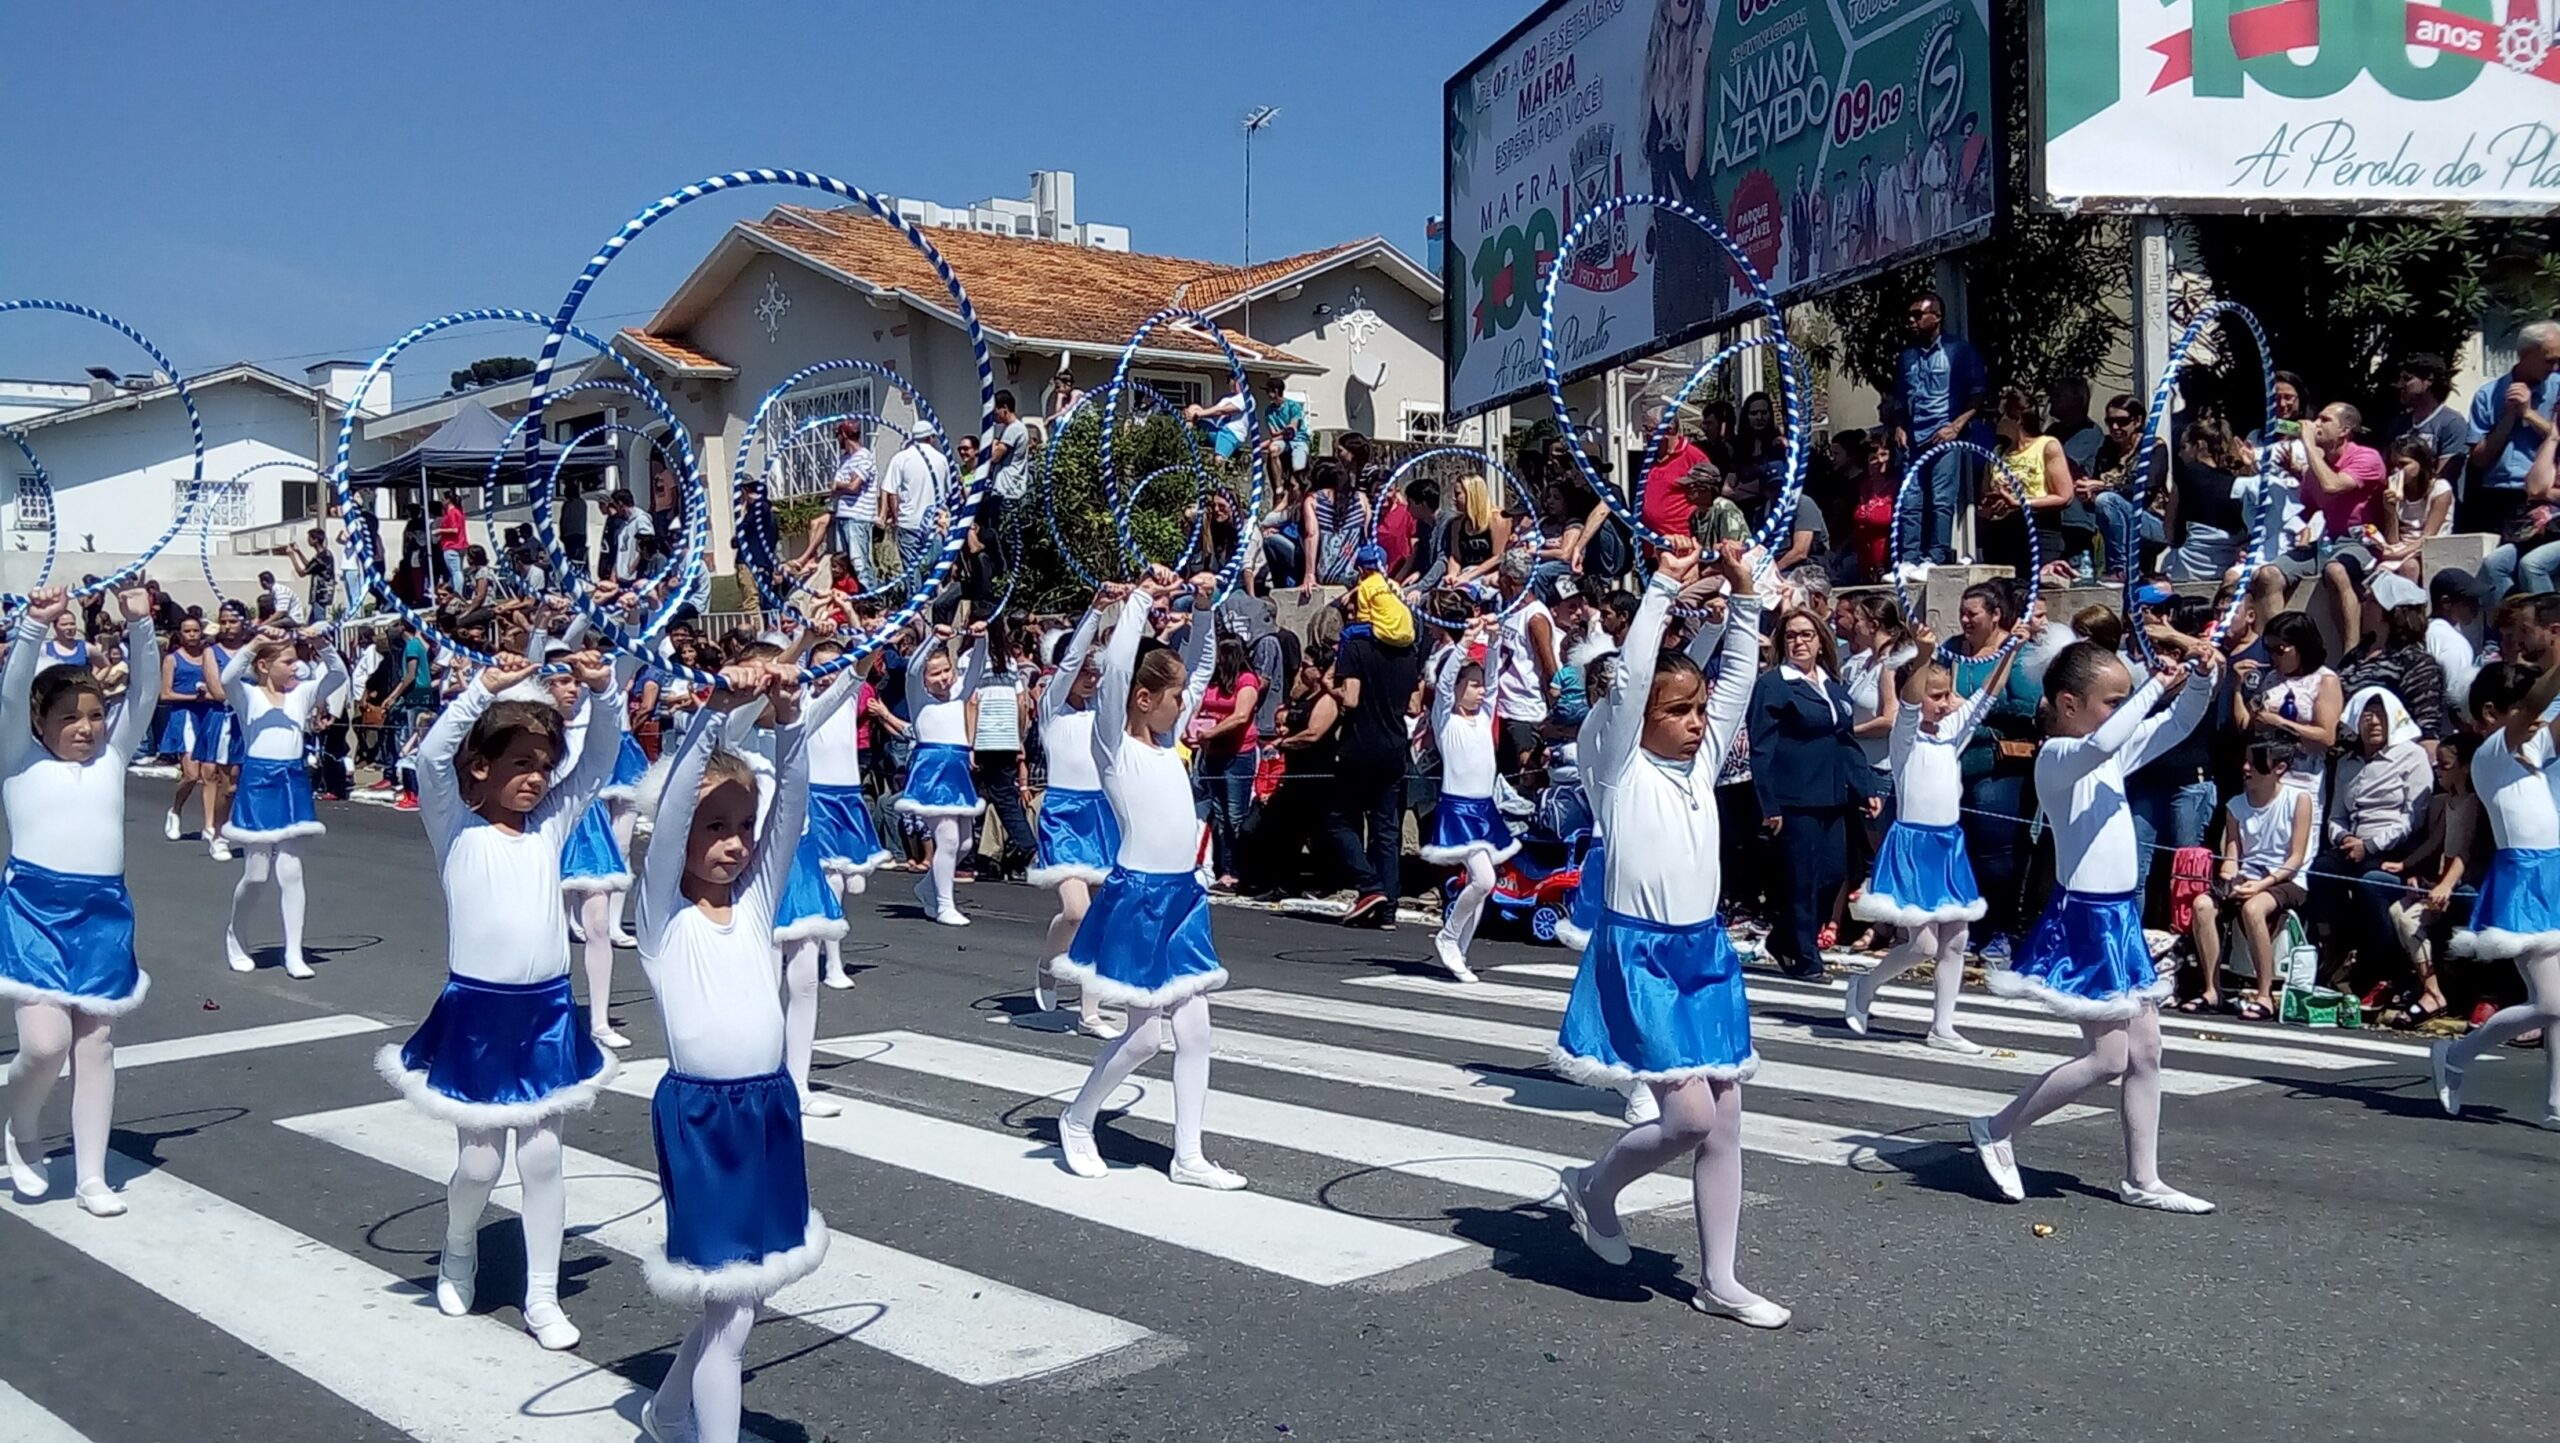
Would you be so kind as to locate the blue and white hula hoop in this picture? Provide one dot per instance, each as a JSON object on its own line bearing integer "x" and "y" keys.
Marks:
{"x": 738, "y": 471}
{"x": 770, "y": 564}
{"x": 2269, "y": 532}
{"x": 643, "y": 644}
{"x": 1227, "y": 575}
{"x": 1484, "y": 460}
{"x": 42, "y": 483}
{"x": 239, "y": 481}
{"x": 115, "y": 580}
{"x": 1781, "y": 517}
{"x": 1911, "y": 481}
{"x": 1102, "y": 405}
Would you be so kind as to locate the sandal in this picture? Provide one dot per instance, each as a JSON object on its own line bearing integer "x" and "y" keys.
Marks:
{"x": 2195, "y": 1005}
{"x": 2251, "y": 1010}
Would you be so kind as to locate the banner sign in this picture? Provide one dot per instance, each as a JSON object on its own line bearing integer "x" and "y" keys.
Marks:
{"x": 1831, "y": 138}
{"x": 2365, "y": 105}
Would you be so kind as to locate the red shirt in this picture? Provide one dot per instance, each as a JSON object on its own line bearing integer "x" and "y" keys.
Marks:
{"x": 452, "y": 529}
{"x": 2347, "y": 511}
{"x": 1395, "y": 533}
{"x": 1667, "y": 506}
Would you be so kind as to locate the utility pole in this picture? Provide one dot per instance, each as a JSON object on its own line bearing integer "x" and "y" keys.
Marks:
{"x": 1257, "y": 119}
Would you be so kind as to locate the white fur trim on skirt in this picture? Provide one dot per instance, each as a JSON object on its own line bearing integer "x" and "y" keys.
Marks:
{"x": 1571, "y": 937}
{"x": 2072, "y": 1007}
{"x": 1871, "y": 908}
{"x": 1121, "y": 994}
{"x": 2497, "y": 944}
{"x": 243, "y": 837}
{"x": 810, "y": 929}
{"x": 596, "y": 882}
{"x": 1066, "y": 872}
{"x": 1452, "y": 856}
{"x": 737, "y": 1282}
{"x": 847, "y": 867}
{"x": 577, "y": 1097}
{"x": 19, "y": 994}
{"x": 1590, "y": 1073}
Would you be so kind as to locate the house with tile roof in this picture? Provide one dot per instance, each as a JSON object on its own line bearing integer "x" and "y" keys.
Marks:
{"x": 1353, "y": 330}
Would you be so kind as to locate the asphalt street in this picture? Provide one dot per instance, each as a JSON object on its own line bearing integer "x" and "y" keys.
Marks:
{"x": 1398, "y": 1271}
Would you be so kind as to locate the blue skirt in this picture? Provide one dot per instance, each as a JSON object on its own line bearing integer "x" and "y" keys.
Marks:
{"x": 630, "y": 764}
{"x": 1145, "y": 941}
{"x": 1590, "y": 897}
{"x": 273, "y": 803}
{"x": 938, "y": 783}
{"x": 197, "y": 730}
{"x": 591, "y": 860}
{"x": 1655, "y": 1003}
{"x": 736, "y": 1180}
{"x": 2518, "y": 912}
{"x": 840, "y": 819}
{"x": 2086, "y": 960}
{"x": 1078, "y": 838}
{"x": 808, "y": 909}
{"x": 1462, "y": 826}
{"x": 499, "y": 1054}
{"x": 1922, "y": 875}
{"x": 67, "y": 938}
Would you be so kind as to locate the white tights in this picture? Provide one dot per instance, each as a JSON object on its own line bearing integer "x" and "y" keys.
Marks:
{"x": 2541, "y": 1008}
{"x": 623, "y": 817}
{"x": 2125, "y": 1049}
{"x": 1458, "y": 929}
{"x": 1130, "y": 1050}
{"x": 1074, "y": 895}
{"x": 47, "y": 1034}
{"x": 799, "y": 1010}
{"x": 280, "y": 862}
{"x": 1939, "y": 942}
{"x": 946, "y": 859}
{"x": 1701, "y": 1117}
{"x": 596, "y": 916}
{"x": 544, "y": 1207}
{"x": 707, "y": 1380}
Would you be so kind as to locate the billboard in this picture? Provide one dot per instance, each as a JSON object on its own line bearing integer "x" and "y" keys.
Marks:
{"x": 1831, "y": 138}
{"x": 2364, "y": 105}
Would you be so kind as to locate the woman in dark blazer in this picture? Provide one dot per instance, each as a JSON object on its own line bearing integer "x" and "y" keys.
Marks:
{"x": 1809, "y": 772}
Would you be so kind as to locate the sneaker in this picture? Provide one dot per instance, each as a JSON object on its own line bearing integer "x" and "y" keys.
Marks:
{"x": 408, "y": 802}
{"x": 1951, "y": 1042}
{"x": 1100, "y": 1027}
{"x": 455, "y": 1277}
{"x": 1995, "y": 953}
{"x": 218, "y": 849}
{"x": 1365, "y": 909}
{"x": 1854, "y": 1004}
{"x": 1757, "y": 1313}
{"x": 1076, "y": 1152}
{"x": 2448, "y": 1077}
{"x": 99, "y": 1200}
{"x": 2482, "y": 1011}
{"x": 2163, "y": 1198}
{"x": 1610, "y": 1248}
{"x": 818, "y": 1104}
{"x": 1205, "y": 1173}
{"x": 171, "y": 827}
{"x": 1642, "y": 1106}
{"x": 1453, "y": 959}
{"x": 1997, "y": 1160}
{"x": 605, "y": 1036}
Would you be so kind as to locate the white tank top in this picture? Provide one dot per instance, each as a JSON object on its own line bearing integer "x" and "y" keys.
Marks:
{"x": 1518, "y": 695}
{"x": 2265, "y": 833}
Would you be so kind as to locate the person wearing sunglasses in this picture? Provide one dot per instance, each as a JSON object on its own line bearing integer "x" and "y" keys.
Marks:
{"x": 1941, "y": 391}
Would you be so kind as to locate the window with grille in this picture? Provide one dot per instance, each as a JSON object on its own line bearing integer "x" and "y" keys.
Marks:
{"x": 1178, "y": 388}
{"x": 224, "y": 505}
{"x": 805, "y": 464}
{"x": 35, "y": 505}
{"x": 1426, "y": 422}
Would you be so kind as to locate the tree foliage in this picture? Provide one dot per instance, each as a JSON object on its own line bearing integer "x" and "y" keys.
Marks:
{"x": 1068, "y": 478}
{"x": 489, "y": 371}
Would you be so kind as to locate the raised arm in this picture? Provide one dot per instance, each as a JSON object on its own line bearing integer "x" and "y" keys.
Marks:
{"x": 973, "y": 672}
{"x": 439, "y": 782}
{"x": 783, "y": 820}
{"x": 235, "y": 680}
{"x": 1444, "y": 683}
{"x": 1119, "y": 674}
{"x": 2156, "y": 734}
{"x": 1053, "y": 697}
{"x": 17, "y": 706}
{"x": 1611, "y": 733}
{"x": 1729, "y": 691}
{"x": 1202, "y": 644}
{"x": 142, "y": 654}
{"x": 662, "y": 865}
{"x": 842, "y": 688}
{"x": 600, "y": 722}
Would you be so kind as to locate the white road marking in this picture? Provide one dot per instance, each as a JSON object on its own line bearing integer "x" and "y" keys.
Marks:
{"x": 23, "y": 1421}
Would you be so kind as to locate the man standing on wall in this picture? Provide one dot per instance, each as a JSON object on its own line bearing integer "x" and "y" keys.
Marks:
{"x": 1940, "y": 389}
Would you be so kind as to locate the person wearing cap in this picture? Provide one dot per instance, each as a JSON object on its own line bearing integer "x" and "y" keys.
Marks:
{"x": 1373, "y": 602}
{"x": 910, "y": 490}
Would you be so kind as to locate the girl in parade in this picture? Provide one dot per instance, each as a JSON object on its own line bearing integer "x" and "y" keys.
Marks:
{"x": 595, "y": 868}
{"x": 1078, "y": 836}
{"x": 1659, "y": 998}
{"x": 62, "y": 645}
{"x": 272, "y": 812}
{"x": 641, "y": 698}
{"x": 191, "y": 689}
{"x": 1146, "y": 944}
{"x": 848, "y": 845}
{"x": 504, "y": 1050}
{"x": 939, "y": 790}
{"x": 726, "y": 1118}
{"x": 2517, "y": 914}
{"x": 66, "y": 922}
{"x": 2086, "y": 960}
{"x": 1923, "y": 878}
{"x": 1467, "y": 830}
{"x": 231, "y": 636}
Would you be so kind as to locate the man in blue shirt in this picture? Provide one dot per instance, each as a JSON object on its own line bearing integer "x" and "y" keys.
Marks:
{"x": 2509, "y": 418}
{"x": 1940, "y": 389}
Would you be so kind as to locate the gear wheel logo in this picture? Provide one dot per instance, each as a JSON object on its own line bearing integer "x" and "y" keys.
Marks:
{"x": 2523, "y": 44}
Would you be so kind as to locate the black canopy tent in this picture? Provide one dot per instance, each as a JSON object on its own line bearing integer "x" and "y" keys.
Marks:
{"x": 456, "y": 457}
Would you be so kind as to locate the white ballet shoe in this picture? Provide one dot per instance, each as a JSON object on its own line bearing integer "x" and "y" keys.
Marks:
{"x": 237, "y": 955}
{"x": 1044, "y": 995}
{"x": 1757, "y": 1313}
{"x": 2163, "y": 1198}
{"x": 623, "y": 939}
{"x": 1100, "y": 1027}
{"x": 171, "y": 827}
{"x": 1855, "y": 1002}
{"x": 1076, "y": 1152}
{"x": 217, "y": 848}
{"x": 663, "y": 1429}
{"x": 605, "y": 1036}
{"x": 1453, "y": 959}
{"x": 297, "y": 969}
{"x": 98, "y": 1200}
{"x": 1642, "y": 1106}
{"x": 1952, "y": 1042}
{"x": 2448, "y": 1077}
{"x": 837, "y": 978}
{"x": 950, "y": 917}
{"x": 26, "y": 1174}
{"x": 818, "y": 1104}
{"x": 1205, "y": 1173}
{"x": 1610, "y": 1248}
{"x": 550, "y": 1327}
{"x": 1997, "y": 1160}
{"x": 457, "y": 1277}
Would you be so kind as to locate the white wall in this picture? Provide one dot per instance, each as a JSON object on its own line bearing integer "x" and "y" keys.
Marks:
{"x": 1409, "y": 341}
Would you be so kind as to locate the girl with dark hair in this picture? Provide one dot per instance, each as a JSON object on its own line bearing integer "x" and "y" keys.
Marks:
{"x": 273, "y": 812}
{"x": 1334, "y": 519}
{"x": 2087, "y": 961}
{"x": 2031, "y": 489}
{"x": 1467, "y": 830}
{"x": 2293, "y": 699}
{"x": 1078, "y": 836}
{"x": 1997, "y": 762}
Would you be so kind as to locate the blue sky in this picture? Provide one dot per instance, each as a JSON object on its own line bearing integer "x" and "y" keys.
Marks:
{"x": 252, "y": 179}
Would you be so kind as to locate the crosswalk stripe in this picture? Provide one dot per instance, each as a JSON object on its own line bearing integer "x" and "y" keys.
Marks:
{"x": 369, "y": 1337}
{"x": 130, "y": 1055}
{"x": 1445, "y": 1157}
{"x": 1977, "y": 1002}
{"x": 963, "y": 1326}
{"x": 1786, "y": 1138}
{"x": 2002, "y": 1014}
{"x": 1879, "y": 1089}
{"x": 2020, "y": 1061}
{"x": 1275, "y": 1235}
{"x": 23, "y": 1420}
